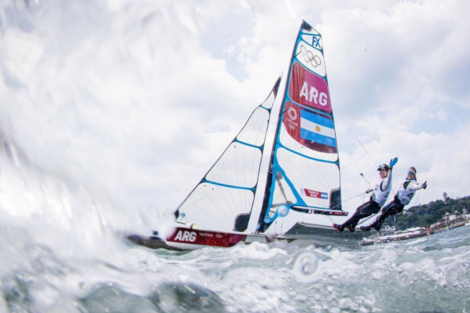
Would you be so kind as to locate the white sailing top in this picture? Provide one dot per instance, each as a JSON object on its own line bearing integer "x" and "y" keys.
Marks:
{"x": 382, "y": 190}
{"x": 407, "y": 191}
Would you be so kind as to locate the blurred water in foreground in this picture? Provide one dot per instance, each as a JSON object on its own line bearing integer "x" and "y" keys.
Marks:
{"x": 61, "y": 242}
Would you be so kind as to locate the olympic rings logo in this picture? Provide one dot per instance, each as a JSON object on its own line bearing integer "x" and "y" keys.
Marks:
{"x": 314, "y": 60}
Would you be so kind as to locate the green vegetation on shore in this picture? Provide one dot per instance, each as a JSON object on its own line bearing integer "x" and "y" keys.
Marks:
{"x": 424, "y": 215}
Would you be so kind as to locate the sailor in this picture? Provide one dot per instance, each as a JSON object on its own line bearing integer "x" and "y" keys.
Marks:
{"x": 403, "y": 197}
{"x": 377, "y": 200}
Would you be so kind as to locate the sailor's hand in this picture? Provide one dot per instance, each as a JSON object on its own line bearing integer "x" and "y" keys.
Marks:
{"x": 393, "y": 162}
{"x": 369, "y": 190}
{"x": 425, "y": 184}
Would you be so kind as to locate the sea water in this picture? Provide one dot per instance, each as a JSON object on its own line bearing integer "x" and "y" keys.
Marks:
{"x": 62, "y": 250}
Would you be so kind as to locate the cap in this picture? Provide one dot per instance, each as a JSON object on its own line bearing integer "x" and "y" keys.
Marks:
{"x": 383, "y": 166}
{"x": 412, "y": 172}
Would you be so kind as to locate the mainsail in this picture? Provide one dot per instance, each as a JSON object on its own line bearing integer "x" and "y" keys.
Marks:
{"x": 302, "y": 175}
{"x": 305, "y": 170}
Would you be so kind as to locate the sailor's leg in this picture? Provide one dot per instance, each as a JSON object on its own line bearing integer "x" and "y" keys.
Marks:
{"x": 388, "y": 210}
{"x": 365, "y": 210}
{"x": 400, "y": 207}
{"x": 353, "y": 220}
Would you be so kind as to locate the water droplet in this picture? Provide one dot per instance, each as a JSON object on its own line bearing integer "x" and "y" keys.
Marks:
{"x": 282, "y": 211}
{"x": 404, "y": 279}
{"x": 305, "y": 266}
{"x": 453, "y": 273}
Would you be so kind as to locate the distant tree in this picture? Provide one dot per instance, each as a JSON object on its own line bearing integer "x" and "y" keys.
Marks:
{"x": 444, "y": 195}
{"x": 427, "y": 214}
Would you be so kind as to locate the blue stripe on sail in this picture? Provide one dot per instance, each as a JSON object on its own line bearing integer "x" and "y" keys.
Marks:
{"x": 317, "y": 138}
{"x": 306, "y": 156}
{"x": 318, "y": 119}
{"x": 228, "y": 186}
{"x": 247, "y": 144}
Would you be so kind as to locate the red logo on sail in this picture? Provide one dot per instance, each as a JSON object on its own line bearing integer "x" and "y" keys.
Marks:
{"x": 315, "y": 194}
{"x": 309, "y": 89}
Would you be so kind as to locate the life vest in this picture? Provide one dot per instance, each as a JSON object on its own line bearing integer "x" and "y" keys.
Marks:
{"x": 380, "y": 195}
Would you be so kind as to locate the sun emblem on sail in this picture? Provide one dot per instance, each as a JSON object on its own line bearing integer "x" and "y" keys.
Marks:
{"x": 318, "y": 129}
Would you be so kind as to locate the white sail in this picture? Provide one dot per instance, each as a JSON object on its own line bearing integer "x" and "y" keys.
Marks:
{"x": 223, "y": 199}
{"x": 305, "y": 172}
{"x": 302, "y": 175}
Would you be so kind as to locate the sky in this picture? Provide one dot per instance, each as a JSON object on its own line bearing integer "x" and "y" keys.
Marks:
{"x": 137, "y": 99}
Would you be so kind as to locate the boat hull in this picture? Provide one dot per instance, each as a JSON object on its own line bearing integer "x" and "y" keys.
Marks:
{"x": 186, "y": 238}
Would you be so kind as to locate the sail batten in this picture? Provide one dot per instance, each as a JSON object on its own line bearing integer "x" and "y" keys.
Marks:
{"x": 308, "y": 157}
{"x": 228, "y": 186}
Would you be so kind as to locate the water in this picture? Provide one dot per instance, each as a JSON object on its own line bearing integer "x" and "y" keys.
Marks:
{"x": 421, "y": 275}
{"x": 60, "y": 251}
{"x": 79, "y": 142}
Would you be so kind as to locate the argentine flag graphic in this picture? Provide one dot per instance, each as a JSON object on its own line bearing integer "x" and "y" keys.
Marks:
{"x": 317, "y": 129}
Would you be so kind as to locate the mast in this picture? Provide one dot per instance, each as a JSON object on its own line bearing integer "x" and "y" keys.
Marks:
{"x": 269, "y": 179}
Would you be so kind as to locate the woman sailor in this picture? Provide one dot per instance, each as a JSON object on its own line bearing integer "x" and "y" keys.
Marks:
{"x": 403, "y": 197}
{"x": 377, "y": 200}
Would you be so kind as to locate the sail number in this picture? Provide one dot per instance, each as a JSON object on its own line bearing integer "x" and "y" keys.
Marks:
{"x": 186, "y": 236}
{"x": 312, "y": 95}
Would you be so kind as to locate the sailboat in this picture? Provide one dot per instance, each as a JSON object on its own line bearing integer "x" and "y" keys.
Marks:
{"x": 280, "y": 187}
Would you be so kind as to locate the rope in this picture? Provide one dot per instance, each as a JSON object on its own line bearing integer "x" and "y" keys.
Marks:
{"x": 349, "y": 128}
{"x": 335, "y": 206}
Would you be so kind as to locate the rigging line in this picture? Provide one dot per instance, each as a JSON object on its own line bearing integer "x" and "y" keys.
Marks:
{"x": 215, "y": 205}
{"x": 260, "y": 122}
{"x": 208, "y": 213}
{"x": 261, "y": 131}
{"x": 249, "y": 167}
{"x": 230, "y": 189}
{"x": 339, "y": 204}
{"x": 243, "y": 197}
{"x": 337, "y": 113}
{"x": 352, "y": 157}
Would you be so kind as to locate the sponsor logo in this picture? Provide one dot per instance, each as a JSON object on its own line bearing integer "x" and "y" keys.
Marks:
{"x": 186, "y": 236}
{"x": 315, "y": 194}
{"x": 292, "y": 113}
{"x": 292, "y": 116}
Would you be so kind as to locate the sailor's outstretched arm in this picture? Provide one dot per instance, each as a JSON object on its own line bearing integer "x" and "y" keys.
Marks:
{"x": 416, "y": 186}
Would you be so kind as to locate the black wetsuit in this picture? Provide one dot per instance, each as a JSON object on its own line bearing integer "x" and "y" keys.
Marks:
{"x": 363, "y": 211}
{"x": 392, "y": 208}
